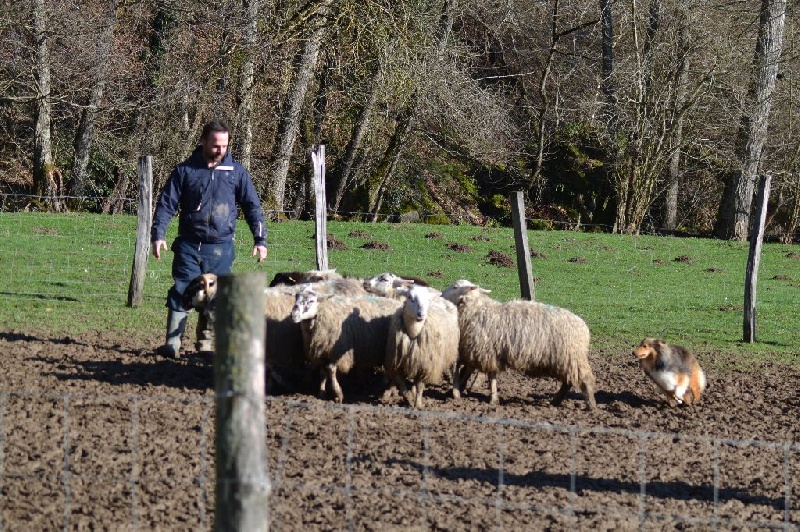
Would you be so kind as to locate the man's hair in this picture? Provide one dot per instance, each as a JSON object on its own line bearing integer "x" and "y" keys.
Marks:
{"x": 215, "y": 126}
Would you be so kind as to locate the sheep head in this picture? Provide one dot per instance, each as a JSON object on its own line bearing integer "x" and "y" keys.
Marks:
{"x": 415, "y": 308}
{"x": 455, "y": 292}
{"x": 306, "y": 305}
{"x": 386, "y": 284}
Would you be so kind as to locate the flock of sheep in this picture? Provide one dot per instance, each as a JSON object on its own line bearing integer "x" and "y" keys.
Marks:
{"x": 324, "y": 324}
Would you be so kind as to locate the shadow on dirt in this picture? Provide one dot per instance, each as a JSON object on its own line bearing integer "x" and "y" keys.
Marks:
{"x": 181, "y": 374}
{"x": 676, "y": 490}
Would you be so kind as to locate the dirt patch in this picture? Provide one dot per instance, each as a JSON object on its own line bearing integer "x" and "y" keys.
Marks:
{"x": 99, "y": 432}
{"x": 332, "y": 243}
{"x": 357, "y": 233}
{"x": 683, "y": 259}
{"x": 459, "y": 248}
{"x": 498, "y": 258}
{"x": 376, "y": 245}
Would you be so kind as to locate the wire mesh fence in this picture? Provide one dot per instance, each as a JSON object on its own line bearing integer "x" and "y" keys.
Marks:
{"x": 141, "y": 462}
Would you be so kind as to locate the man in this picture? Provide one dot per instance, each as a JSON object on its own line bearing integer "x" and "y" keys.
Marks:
{"x": 205, "y": 190}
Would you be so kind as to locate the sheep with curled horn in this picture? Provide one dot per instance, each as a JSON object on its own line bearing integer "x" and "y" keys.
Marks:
{"x": 422, "y": 344}
{"x": 537, "y": 339}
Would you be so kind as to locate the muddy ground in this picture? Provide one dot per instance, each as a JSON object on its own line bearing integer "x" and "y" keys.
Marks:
{"x": 97, "y": 432}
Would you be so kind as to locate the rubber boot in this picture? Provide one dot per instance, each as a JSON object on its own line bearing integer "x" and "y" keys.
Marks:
{"x": 205, "y": 334}
{"x": 176, "y": 324}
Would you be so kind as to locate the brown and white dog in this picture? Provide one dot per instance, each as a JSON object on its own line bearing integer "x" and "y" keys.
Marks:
{"x": 673, "y": 368}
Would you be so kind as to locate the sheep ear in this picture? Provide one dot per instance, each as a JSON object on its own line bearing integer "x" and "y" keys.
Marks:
{"x": 403, "y": 291}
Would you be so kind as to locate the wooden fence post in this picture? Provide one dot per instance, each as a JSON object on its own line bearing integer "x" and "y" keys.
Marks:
{"x": 320, "y": 209}
{"x": 242, "y": 488}
{"x": 524, "y": 269}
{"x": 145, "y": 218}
{"x": 751, "y": 277}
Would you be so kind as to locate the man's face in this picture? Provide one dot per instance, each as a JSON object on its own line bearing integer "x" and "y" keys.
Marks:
{"x": 214, "y": 147}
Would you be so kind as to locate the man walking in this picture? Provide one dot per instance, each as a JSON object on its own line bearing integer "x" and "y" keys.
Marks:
{"x": 205, "y": 191}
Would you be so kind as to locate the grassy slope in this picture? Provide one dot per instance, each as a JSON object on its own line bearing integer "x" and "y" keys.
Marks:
{"x": 65, "y": 274}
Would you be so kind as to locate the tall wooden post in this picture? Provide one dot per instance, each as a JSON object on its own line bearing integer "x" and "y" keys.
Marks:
{"x": 524, "y": 269}
{"x": 751, "y": 277}
{"x": 320, "y": 209}
{"x": 145, "y": 218}
{"x": 242, "y": 488}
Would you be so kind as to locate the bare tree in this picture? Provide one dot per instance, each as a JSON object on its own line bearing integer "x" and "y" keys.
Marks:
{"x": 673, "y": 174}
{"x": 733, "y": 216}
{"x": 290, "y": 121}
{"x": 355, "y": 142}
{"x": 244, "y": 92}
{"x": 86, "y": 126}
{"x": 44, "y": 171}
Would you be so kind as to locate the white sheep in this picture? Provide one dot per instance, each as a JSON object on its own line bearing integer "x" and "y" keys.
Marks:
{"x": 390, "y": 285}
{"x": 422, "y": 343}
{"x": 537, "y": 339}
{"x": 341, "y": 333}
{"x": 285, "y": 360}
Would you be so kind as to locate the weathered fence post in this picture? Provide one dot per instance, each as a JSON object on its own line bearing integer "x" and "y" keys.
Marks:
{"x": 242, "y": 488}
{"x": 524, "y": 269}
{"x": 320, "y": 209}
{"x": 751, "y": 277}
{"x": 145, "y": 218}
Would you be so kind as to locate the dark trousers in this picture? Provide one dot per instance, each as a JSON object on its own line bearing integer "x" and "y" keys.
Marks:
{"x": 192, "y": 259}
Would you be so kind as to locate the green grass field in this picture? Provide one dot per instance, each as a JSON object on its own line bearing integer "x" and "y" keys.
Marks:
{"x": 66, "y": 274}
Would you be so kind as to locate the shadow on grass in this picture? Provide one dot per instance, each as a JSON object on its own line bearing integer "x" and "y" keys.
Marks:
{"x": 43, "y": 297}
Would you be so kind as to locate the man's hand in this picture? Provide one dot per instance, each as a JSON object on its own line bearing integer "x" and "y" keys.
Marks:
{"x": 158, "y": 245}
{"x": 261, "y": 252}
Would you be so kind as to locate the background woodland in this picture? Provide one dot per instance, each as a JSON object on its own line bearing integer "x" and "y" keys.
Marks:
{"x": 629, "y": 116}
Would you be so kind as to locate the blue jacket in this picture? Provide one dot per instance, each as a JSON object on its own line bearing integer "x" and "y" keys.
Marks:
{"x": 206, "y": 200}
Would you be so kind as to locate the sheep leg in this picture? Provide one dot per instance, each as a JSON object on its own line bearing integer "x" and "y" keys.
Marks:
{"x": 561, "y": 393}
{"x": 337, "y": 390}
{"x": 456, "y": 381}
{"x": 494, "y": 398}
{"x": 418, "y": 400}
{"x": 323, "y": 383}
{"x": 588, "y": 393}
{"x": 464, "y": 376}
{"x": 396, "y": 384}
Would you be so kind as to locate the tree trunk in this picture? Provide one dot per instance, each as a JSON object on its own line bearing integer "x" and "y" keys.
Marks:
{"x": 42, "y": 147}
{"x": 388, "y": 162}
{"x": 290, "y": 121}
{"x": 354, "y": 144}
{"x": 404, "y": 123}
{"x": 85, "y": 135}
{"x": 244, "y": 92}
{"x": 642, "y": 154}
{"x": 609, "y": 89}
{"x": 673, "y": 174}
{"x": 733, "y": 215}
